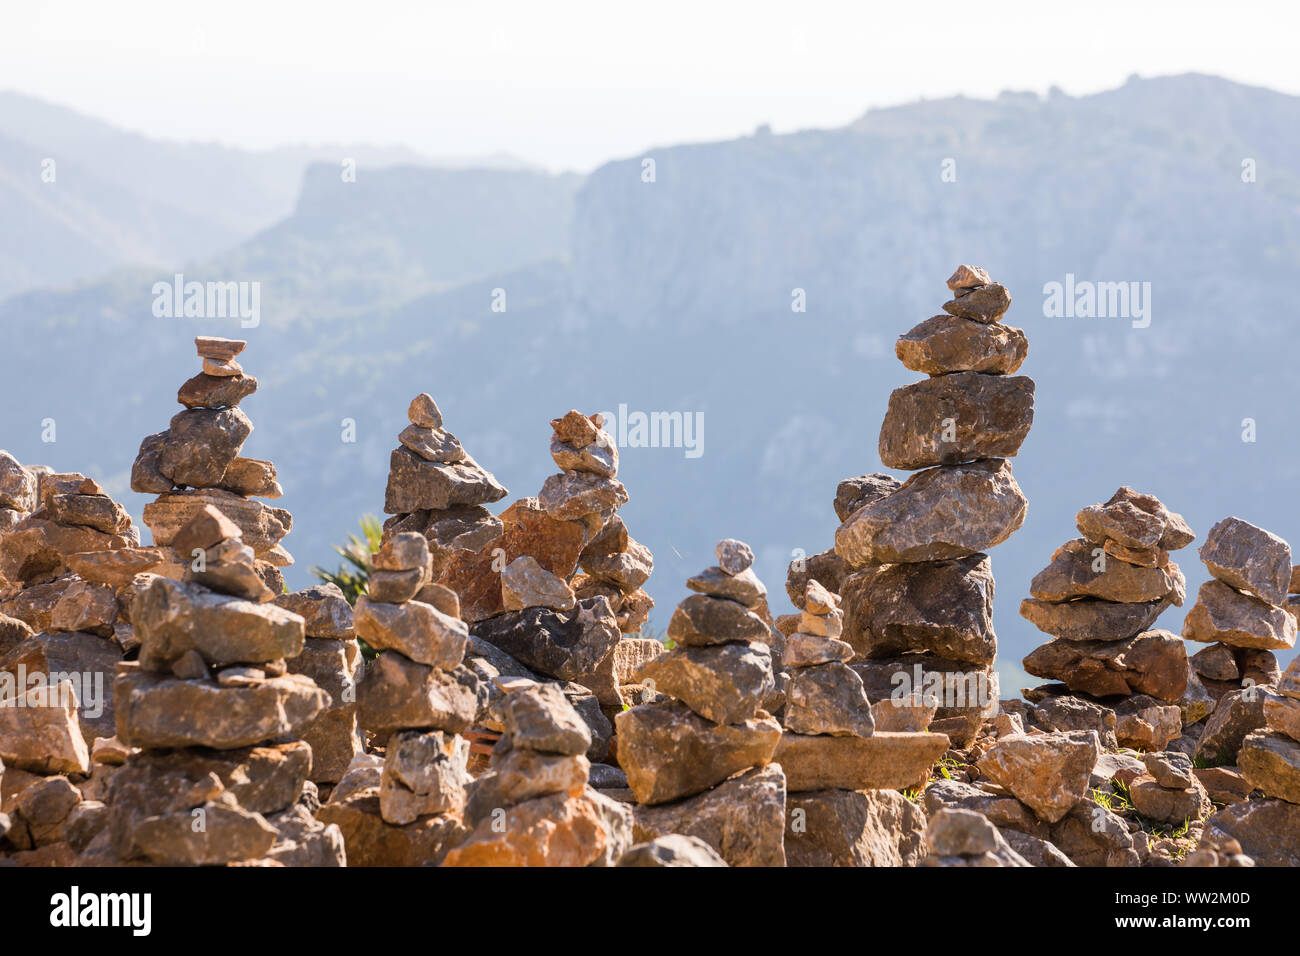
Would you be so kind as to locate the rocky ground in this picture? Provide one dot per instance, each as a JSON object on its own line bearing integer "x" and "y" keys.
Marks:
{"x": 491, "y": 696}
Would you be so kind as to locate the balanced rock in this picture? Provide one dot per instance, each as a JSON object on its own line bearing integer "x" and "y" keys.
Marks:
{"x": 948, "y": 343}
{"x": 956, "y": 418}
{"x": 1226, "y": 615}
{"x": 1047, "y": 772}
{"x": 1249, "y": 559}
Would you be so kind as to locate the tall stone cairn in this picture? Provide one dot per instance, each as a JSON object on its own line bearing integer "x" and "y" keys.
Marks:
{"x": 196, "y": 462}
{"x": 917, "y": 588}
{"x": 533, "y": 806}
{"x": 700, "y": 761}
{"x": 207, "y": 709}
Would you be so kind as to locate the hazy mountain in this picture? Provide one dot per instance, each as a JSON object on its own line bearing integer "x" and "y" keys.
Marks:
{"x": 675, "y": 295}
{"x": 113, "y": 198}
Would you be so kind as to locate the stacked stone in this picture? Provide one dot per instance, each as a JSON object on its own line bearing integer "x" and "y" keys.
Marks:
{"x": 1269, "y": 758}
{"x": 209, "y": 704}
{"x": 830, "y": 752}
{"x": 1099, "y": 598}
{"x": 196, "y": 462}
{"x": 438, "y": 490}
{"x": 919, "y": 599}
{"x": 524, "y": 597}
{"x": 538, "y": 784}
{"x": 330, "y": 657}
{"x": 1169, "y": 791}
{"x": 417, "y": 697}
{"x": 677, "y": 752}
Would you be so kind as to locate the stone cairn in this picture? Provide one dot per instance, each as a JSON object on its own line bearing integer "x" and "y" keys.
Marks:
{"x": 839, "y": 773}
{"x": 208, "y": 707}
{"x": 196, "y": 462}
{"x": 533, "y": 806}
{"x": 67, "y": 560}
{"x": 916, "y": 586}
{"x": 700, "y": 763}
{"x": 1099, "y": 598}
{"x": 417, "y": 697}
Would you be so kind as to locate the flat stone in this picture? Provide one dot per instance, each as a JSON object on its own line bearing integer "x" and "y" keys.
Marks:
{"x": 955, "y": 688}
{"x": 944, "y": 607}
{"x": 252, "y": 478}
{"x": 415, "y": 484}
{"x": 89, "y": 511}
{"x": 1249, "y": 559}
{"x": 1166, "y": 805}
{"x": 949, "y": 343}
{"x": 397, "y": 693}
{"x": 90, "y": 661}
{"x": 1143, "y": 723}
{"x": 701, "y": 620}
{"x": 155, "y": 710}
{"x": 261, "y": 527}
{"x": 1003, "y": 811}
{"x": 937, "y": 514}
{"x": 742, "y": 819}
{"x": 807, "y": 650}
{"x": 32, "y": 551}
{"x": 967, "y": 277}
{"x": 171, "y": 618}
{"x": 1268, "y": 831}
{"x": 216, "y": 391}
{"x": 201, "y": 443}
{"x": 985, "y": 303}
{"x": 432, "y": 444}
{"x": 114, "y": 568}
{"x": 1282, "y": 714}
{"x": 1153, "y": 662}
{"x": 956, "y": 418}
{"x": 827, "y": 699}
{"x": 218, "y": 349}
{"x": 1090, "y": 619}
{"x": 725, "y": 683}
{"x": 883, "y": 761}
{"x": 1230, "y": 617}
{"x": 1047, "y": 772}
{"x": 744, "y": 588}
{"x": 1171, "y": 770}
{"x": 627, "y": 570}
{"x": 418, "y": 631}
{"x": 599, "y": 457}
{"x": 1081, "y": 569}
{"x": 1224, "y": 784}
{"x": 669, "y": 752}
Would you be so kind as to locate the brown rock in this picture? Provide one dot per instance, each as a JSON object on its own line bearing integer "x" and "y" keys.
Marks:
{"x": 1153, "y": 662}
{"x": 1048, "y": 772}
{"x": 701, "y": 620}
{"x": 424, "y": 774}
{"x": 1167, "y": 805}
{"x": 201, "y": 443}
{"x": 1089, "y": 619}
{"x": 1081, "y": 569}
{"x": 948, "y": 343}
{"x": 400, "y": 694}
{"x": 1271, "y": 762}
{"x": 1249, "y": 559}
{"x": 252, "y": 478}
{"x": 261, "y": 527}
{"x": 573, "y": 495}
{"x": 854, "y": 828}
{"x": 967, "y": 277}
{"x": 89, "y": 511}
{"x": 555, "y": 830}
{"x": 216, "y": 391}
{"x": 669, "y": 752}
{"x": 827, "y": 699}
{"x": 1238, "y": 714}
{"x": 1231, "y": 617}
{"x": 852, "y": 493}
{"x": 883, "y": 761}
{"x": 371, "y": 841}
{"x": 114, "y": 568}
{"x": 985, "y": 303}
{"x": 39, "y": 731}
{"x": 525, "y": 583}
{"x": 941, "y": 513}
{"x": 432, "y": 444}
{"x": 423, "y": 411}
{"x": 956, "y": 418}
{"x": 744, "y": 588}
{"x": 415, "y": 484}
{"x": 725, "y": 684}
{"x": 17, "y": 486}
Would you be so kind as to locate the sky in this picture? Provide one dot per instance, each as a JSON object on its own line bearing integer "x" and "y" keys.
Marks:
{"x": 569, "y": 85}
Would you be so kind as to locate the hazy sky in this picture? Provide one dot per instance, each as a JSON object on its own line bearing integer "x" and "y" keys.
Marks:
{"x": 571, "y": 84}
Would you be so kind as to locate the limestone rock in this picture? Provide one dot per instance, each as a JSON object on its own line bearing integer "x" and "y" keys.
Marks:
{"x": 200, "y": 445}
{"x": 1153, "y": 662}
{"x": 39, "y": 731}
{"x": 261, "y": 527}
{"x": 324, "y": 610}
{"x": 854, "y": 828}
{"x": 949, "y": 343}
{"x": 1048, "y": 772}
{"x": 742, "y": 819}
{"x": 827, "y": 699}
{"x": 370, "y": 841}
{"x": 1089, "y": 619}
{"x": 985, "y": 303}
{"x": 17, "y": 487}
{"x": 1231, "y": 617}
{"x": 852, "y": 493}
{"x": 525, "y": 584}
{"x": 1168, "y": 805}
{"x": 1268, "y": 831}
{"x": 669, "y": 752}
{"x": 1081, "y": 569}
{"x": 555, "y": 830}
{"x": 424, "y": 774}
{"x": 415, "y": 484}
{"x": 418, "y": 631}
{"x": 574, "y": 494}
{"x": 401, "y": 694}
{"x": 672, "y": 850}
{"x": 883, "y": 761}
{"x": 701, "y": 620}
{"x": 539, "y": 718}
{"x": 956, "y": 418}
{"x": 725, "y": 683}
{"x": 744, "y": 587}
{"x": 1239, "y": 714}
{"x": 944, "y": 607}
{"x": 1249, "y": 559}
{"x": 216, "y": 391}
{"x": 941, "y": 513}
{"x": 432, "y": 444}
{"x": 564, "y": 644}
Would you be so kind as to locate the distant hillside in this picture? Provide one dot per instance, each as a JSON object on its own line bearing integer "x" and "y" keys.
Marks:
{"x": 676, "y": 295}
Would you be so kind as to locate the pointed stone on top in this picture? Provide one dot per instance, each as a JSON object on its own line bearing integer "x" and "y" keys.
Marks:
{"x": 208, "y": 528}
{"x": 423, "y": 411}
{"x": 576, "y": 429}
{"x": 218, "y": 349}
{"x": 733, "y": 556}
{"x": 968, "y": 277}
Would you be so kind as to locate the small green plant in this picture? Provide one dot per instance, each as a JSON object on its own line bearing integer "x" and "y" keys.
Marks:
{"x": 353, "y": 575}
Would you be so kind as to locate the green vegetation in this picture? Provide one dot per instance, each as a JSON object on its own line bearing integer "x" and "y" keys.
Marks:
{"x": 353, "y": 575}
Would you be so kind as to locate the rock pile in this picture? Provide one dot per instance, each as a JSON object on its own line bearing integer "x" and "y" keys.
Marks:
{"x": 534, "y": 807}
{"x": 196, "y": 462}
{"x": 209, "y": 705}
{"x": 1099, "y": 598}
{"x": 417, "y": 697}
{"x": 1169, "y": 791}
{"x": 917, "y": 587}
{"x": 678, "y": 752}
{"x": 839, "y": 771}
